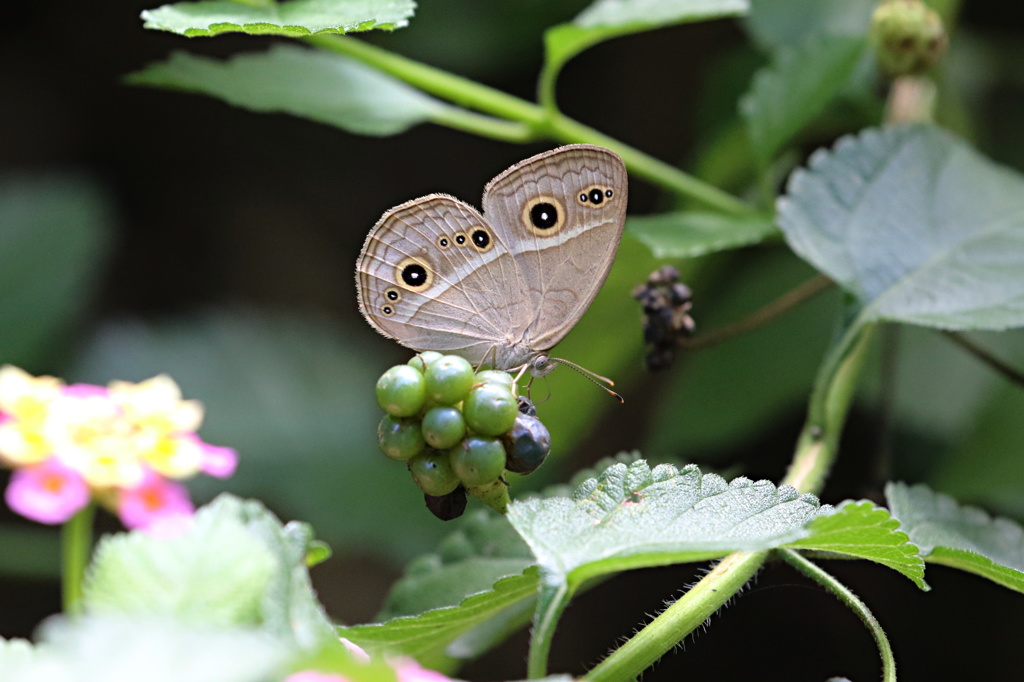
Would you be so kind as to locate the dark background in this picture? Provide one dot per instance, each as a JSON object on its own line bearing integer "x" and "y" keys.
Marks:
{"x": 213, "y": 204}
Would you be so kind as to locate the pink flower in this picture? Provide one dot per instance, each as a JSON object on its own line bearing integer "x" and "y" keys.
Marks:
{"x": 356, "y": 650}
{"x": 156, "y": 504}
{"x": 410, "y": 671}
{"x": 47, "y": 492}
{"x": 217, "y": 460}
{"x": 315, "y": 676}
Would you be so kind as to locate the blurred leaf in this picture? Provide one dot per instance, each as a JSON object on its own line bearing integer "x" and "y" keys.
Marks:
{"x": 606, "y": 19}
{"x": 30, "y": 552}
{"x": 795, "y": 89}
{"x": 917, "y": 225}
{"x": 688, "y": 234}
{"x": 54, "y": 239}
{"x": 17, "y": 656}
{"x": 866, "y": 531}
{"x": 722, "y": 396}
{"x": 320, "y": 86}
{"x": 317, "y": 552}
{"x": 962, "y": 537}
{"x": 290, "y": 18}
{"x": 295, "y": 395}
{"x": 435, "y": 636}
{"x": 778, "y": 24}
{"x": 115, "y": 648}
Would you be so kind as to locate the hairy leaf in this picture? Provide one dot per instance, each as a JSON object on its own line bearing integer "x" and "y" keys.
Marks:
{"x": 915, "y": 224}
{"x": 866, "y": 531}
{"x": 320, "y": 86}
{"x": 962, "y": 537}
{"x": 290, "y": 18}
{"x": 795, "y": 89}
{"x": 687, "y": 234}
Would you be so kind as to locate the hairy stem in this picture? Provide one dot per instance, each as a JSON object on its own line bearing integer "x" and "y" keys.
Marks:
{"x": 845, "y": 595}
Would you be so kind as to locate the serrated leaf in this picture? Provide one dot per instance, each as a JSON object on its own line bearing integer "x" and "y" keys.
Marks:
{"x": 215, "y": 573}
{"x": 436, "y": 636}
{"x": 918, "y": 226}
{"x": 159, "y": 649}
{"x": 959, "y": 536}
{"x": 320, "y": 86}
{"x": 290, "y": 18}
{"x": 866, "y": 531}
{"x": 17, "y": 656}
{"x": 54, "y": 238}
{"x": 606, "y": 19}
{"x": 688, "y": 234}
{"x": 795, "y": 88}
{"x": 634, "y": 516}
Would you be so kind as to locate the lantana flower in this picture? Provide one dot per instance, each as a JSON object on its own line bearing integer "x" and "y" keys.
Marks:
{"x": 124, "y": 445}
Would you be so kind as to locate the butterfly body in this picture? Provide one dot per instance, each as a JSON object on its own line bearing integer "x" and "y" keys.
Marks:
{"x": 504, "y": 286}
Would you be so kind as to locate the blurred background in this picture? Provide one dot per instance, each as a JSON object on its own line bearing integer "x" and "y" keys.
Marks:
{"x": 145, "y": 231}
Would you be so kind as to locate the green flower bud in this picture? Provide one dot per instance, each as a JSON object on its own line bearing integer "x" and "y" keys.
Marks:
{"x": 908, "y": 36}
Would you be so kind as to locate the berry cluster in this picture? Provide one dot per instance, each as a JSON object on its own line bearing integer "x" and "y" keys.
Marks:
{"x": 459, "y": 431}
{"x": 667, "y": 305}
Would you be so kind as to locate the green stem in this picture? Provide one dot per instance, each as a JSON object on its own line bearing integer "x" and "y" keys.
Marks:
{"x": 76, "y": 542}
{"x": 814, "y": 572}
{"x": 525, "y": 121}
{"x": 677, "y": 621}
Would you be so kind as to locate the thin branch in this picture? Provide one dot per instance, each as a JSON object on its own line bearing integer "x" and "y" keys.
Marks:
{"x": 1011, "y": 373}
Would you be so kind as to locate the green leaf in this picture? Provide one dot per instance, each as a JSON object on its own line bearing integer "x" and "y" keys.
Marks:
{"x": 688, "y": 234}
{"x": 606, "y": 19}
{"x": 215, "y": 573}
{"x": 866, "y": 531}
{"x": 966, "y": 538}
{"x": 291, "y": 18}
{"x": 320, "y": 86}
{"x": 436, "y": 635}
{"x": 634, "y": 516}
{"x": 778, "y": 24}
{"x": 294, "y": 394}
{"x": 919, "y": 227}
{"x": 54, "y": 239}
{"x": 159, "y": 649}
{"x": 795, "y": 89}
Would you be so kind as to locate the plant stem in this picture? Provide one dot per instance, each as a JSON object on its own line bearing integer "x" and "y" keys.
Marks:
{"x": 762, "y": 316}
{"x": 76, "y": 542}
{"x": 845, "y": 595}
{"x": 698, "y": 604}
{"x": 531, "y": 121}
{"x": 1010, "y": 373}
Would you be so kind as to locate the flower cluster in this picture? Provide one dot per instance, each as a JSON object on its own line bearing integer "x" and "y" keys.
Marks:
{"x": 125, "y": 445}
{"x": 406, "y": 669}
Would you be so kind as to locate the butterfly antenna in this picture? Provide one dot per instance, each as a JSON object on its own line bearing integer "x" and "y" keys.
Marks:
{"x": 595, "y": 378}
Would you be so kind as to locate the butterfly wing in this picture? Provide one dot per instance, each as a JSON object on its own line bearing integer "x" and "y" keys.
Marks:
{"x": 434, "y": 275}
{"x": 561, "y": 213}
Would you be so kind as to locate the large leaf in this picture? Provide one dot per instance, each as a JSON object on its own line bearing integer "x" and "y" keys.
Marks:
{"x": 917, "y": 225}
{"x": 290, "y": 18}
{"x": 606, "y": 19}
{"x": 688, "y": 234}
{"x": 54, "y": 238}
{"x": 320, "y": 86}
{"x": 235, "y": 565}
{"x": 962, "y": 537}
{"x": 779, "y": 24}
{"x": 795, "y": 89}
{"x": 458, "y": 632}
{"x": 866, "y": 531}
{"x": 294, "y": 394}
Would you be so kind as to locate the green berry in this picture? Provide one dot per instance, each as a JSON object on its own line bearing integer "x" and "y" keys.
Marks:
{"x": 449, "y": 379}
{"x": 495, "y": 376}
{"x": 494, "y": 495}
{"x": 527, "y": 444}
{"x": 443, "y": 427}
{"x": 401, "y": 391}
{"x": 478, "y": 461}
{"x": 400, "y": 438}
{"x": 490, "y": 409}
{"x": 433, "y": 473}
{"x": 421, "y": 361}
